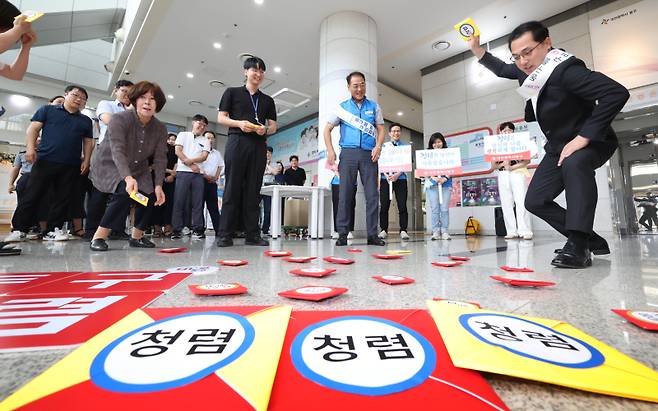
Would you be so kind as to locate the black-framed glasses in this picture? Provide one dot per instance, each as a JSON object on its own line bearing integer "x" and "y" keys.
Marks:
{"x": 524, "y": 54}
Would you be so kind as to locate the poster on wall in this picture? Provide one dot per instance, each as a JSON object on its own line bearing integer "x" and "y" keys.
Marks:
{"x": 480, "y": 192}
{"x": 471, "y": 145}
{"x": 617, "y": 49}
{"x": 301, "y": 140}
{"x": 537, "y": 139}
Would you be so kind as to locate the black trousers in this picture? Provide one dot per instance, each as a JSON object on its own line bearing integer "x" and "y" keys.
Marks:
{"x": 245, "y": 160}
{"x": 210, "y": 197}
{"x": 96, "y": 207}
{"x": 118, "y": 207}
{"x": 45, "y": 177}
{"x": 335, "y": 198}
{"x": 400, "y": 191}
{"x": 576, "y": 178}
{"x": 162, "y": 215}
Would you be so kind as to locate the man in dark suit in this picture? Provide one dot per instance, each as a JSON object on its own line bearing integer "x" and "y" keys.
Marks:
{"x": 574, "y": 107}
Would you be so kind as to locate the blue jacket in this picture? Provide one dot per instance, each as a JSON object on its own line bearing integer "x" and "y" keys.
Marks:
{"x": 351, "y": 137}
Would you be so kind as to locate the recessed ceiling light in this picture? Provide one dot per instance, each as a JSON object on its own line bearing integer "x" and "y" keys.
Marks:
{"x": 277, "y": 69}
{"x": 400, "y": 113}
{"x": 195, "y": 103}
{"x": 259, "y": 2}
{"x": 190, "y": 75}
{"x": 217, "y": 45}
{"x": 441, "y": 45}
{"x": 170, "y": 96}
{"x": 216, "y": 83}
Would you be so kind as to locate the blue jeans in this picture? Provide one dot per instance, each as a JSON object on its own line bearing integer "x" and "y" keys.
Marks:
{"x": 440, "y": 216}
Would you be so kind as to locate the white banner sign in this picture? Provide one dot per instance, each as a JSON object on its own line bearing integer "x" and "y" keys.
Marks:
{"x": 503, "y": 147}
{"x": 395, "y": 159}
{"x": 442, "y": 162}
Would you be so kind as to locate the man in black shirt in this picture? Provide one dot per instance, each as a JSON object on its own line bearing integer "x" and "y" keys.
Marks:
{"x": 295, "y": 175}
{"x": 250, "y": 116}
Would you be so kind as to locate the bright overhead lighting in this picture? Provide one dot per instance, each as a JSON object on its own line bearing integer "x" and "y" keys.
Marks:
{"x": 400, "y": 113}
{"x": 170, "y": 96}
{"x": 19, "y": 100}
{"x": 217, "y": 45}
{"x": 190, "y": 75}
{"x": 277, "y": 69}
{"x": 259, "y": 2}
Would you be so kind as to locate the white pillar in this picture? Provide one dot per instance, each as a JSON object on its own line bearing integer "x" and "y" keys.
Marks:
{"x": 348, "y": 42}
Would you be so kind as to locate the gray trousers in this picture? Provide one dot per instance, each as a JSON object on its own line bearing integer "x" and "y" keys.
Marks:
{"x": 190, "y": 185}
{"x": 353, "y": 161}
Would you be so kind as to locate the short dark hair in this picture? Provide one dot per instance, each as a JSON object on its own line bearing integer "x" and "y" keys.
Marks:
{"x": 211, "y": 132}
{"x": 72, "y": 87}
{"x": 434, "y": 137}
{"x": 293, "y": 156}
{"x": 539, "y": 32}
{"x": 171, "y": 135}
{"x": 394, "y": 125}
{"x": 144, "y": 87}
{"x": 200, "y": 117}
{"x": 354, "y": 73}
{"x": 123, "y": 83}
{"x": 7, "y": 14}
{"x": 254, "y": 63}
{"x": 506, "y": 124}
{"x": 270, "y": 149}
{"x": 55, "y": 98}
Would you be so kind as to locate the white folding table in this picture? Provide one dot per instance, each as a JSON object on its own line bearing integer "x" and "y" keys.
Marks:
{"x": 315, "y": 216}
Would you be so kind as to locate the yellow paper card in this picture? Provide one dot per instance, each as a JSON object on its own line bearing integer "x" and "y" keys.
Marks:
{"x": 467, "y": 28}
{"x": 539, "y": 349}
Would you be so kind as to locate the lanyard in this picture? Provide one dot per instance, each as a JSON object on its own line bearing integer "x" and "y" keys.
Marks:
{"x": 255, "y": 106}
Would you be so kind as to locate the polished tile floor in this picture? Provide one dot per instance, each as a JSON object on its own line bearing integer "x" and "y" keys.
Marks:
{"x": 628, "y": 278}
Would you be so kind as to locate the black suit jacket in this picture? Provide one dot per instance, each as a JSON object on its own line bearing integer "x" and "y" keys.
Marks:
{"x": 574, "y": 101}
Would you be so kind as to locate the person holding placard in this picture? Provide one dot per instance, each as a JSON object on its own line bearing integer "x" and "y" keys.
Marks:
{"x": 512, "y": 188}
{"x": 438, "y": 190}
{"x": 398, "y": 181}
{"x": 361, "y": 138}
{"x": 574, "y": 107}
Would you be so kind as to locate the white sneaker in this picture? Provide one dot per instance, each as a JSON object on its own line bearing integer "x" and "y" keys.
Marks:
{"x": 186, "y": 231}
{"x": 57, "y": 235}
{"x": 511, "y": 236}
{"x": 446, "y": 236}
{"x": 404, "y": 235}
{"x": 527, "y": 237}
{"x": 382, "y": 234}
{"x": 16, "y": 236}
{"x": 350, "y": 235}
{"x": 436, "y": 236}
{"x": 334, "y": 235}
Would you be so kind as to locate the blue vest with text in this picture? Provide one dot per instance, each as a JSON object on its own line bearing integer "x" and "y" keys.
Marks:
{"x": 351, "y": 137}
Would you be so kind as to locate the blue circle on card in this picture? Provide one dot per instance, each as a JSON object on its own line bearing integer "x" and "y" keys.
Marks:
{"x": 418, "y": 378}
{"x": 595, "y": 360}
{"x": 100, "y": 377}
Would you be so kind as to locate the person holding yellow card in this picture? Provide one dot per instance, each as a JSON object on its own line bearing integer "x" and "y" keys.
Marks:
{"x": 574, "y": 107}
{"x": 15, "y": 26}
{"x": 120, "y": 168}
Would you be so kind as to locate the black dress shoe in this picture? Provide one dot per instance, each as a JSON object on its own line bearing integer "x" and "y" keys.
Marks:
{"x": 224, "y": 242}
{"x": 573, "y": 256}
{"x": 342, "y": 240}
{"x": 98, "y": 245}
{"x": 374, "y": 240}
{"x": 256, "y": 241}
{"x": 141, "y": 243}
{"x": 598, "y": 246}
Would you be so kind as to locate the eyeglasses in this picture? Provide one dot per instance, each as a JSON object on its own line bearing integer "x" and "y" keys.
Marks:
{"x": 78, "y": 96}
{"x": 524, "y": 53}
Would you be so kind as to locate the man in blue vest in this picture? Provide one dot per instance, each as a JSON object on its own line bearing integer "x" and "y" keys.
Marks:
{"x": 399, "y": 183}
{"x": 361, "y": 138}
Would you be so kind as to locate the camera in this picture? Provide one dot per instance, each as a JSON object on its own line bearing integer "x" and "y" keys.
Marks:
{"x": 127, "y": 72}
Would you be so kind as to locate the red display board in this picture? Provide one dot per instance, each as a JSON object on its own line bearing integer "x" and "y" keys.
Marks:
{"x": 64, "y": 319}
{"x": 14, "y": 282}
{"x": 173, "y": 250}
{"x": 522, "y": 283}
{"x": 298, "y": 259}
{"x": 218, "y": 289}
{"x": 393, "y": 279}
{"x": 643, "y": 319}
{"x": 447, "y": 264}
{"x": 233, "y": 263}
{"x": 108, "y": 281}
{"x": 372, "y": 360}
{"x": 313, "y": 272}
{"x": 517, "y": 269}
{"x": 277, "y": 253}
{"x": 338, "y": 260}
{"x": 388, "y": 256}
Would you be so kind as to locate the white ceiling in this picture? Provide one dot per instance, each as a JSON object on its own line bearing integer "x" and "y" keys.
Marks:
{"x": 178, "y": 38}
